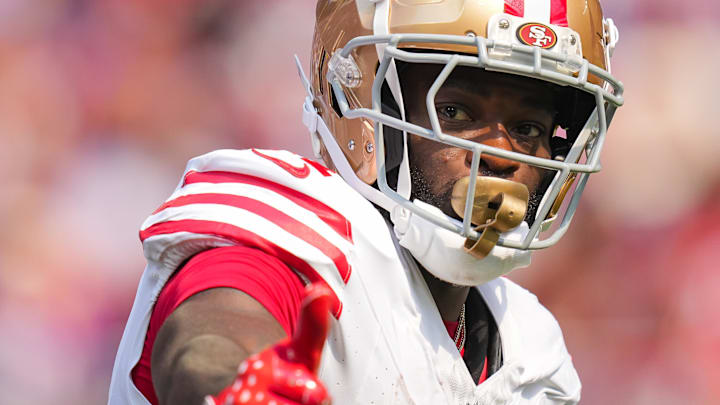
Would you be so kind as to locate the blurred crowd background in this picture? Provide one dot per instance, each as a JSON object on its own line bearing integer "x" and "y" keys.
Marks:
{"x": 103, "y": 102}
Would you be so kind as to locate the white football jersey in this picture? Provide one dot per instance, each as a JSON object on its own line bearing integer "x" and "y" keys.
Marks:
{"x": 387, "y": 342}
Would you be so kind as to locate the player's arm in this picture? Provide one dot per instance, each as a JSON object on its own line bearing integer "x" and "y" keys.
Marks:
{"x": 200, "y": 345}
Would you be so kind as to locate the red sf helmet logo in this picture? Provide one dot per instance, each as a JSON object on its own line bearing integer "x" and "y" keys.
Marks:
{"x": 537, "y": 34}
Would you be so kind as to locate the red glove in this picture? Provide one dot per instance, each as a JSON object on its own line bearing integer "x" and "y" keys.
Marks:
{"x": 285, "y": 373}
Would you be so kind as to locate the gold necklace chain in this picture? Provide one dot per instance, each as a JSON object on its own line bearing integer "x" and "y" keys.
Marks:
{"x": 460, "y": 331}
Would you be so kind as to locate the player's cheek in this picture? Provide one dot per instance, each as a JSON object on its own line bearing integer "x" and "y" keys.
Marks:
{"x": 532, "y": 177}
{"x": 453, "y": 157}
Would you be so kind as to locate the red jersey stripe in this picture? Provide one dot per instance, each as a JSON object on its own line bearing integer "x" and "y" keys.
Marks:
{"x": 558, "y": 13}
{"x": 322, "y": 169}
{"x": 247, "y": 238}
{"x": 515, "y": 7}
{"x": 328, "y": 215}
{"x": 279, "y": 218}
{"x": 299, "y": 172}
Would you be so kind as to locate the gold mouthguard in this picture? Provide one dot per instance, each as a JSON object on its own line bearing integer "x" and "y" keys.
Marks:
{"x": 498, "y": 206}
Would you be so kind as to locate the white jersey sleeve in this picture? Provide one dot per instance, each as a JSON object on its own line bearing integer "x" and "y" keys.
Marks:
{"x": 255, "y": 198}
{"x": 275, "y": 201}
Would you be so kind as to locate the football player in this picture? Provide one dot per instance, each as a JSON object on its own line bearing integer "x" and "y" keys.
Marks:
{"x": 453, "y": 131}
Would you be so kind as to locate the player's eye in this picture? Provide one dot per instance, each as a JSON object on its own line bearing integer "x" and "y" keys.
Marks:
{"x": 527, "y": 130}
{"x": 453, "y": 113}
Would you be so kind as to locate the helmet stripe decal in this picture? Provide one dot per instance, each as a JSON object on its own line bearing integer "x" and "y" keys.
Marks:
{"x": 515, "y": 7}
{"x": 558, "y": 15}
{"x": 538, "y": 10}
{"x": 543, "y": 11}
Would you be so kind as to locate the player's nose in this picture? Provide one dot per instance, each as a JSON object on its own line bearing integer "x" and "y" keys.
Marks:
{"x": 497, "y": 136}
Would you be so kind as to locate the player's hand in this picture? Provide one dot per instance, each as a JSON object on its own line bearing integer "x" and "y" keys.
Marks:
{"x": 285, "y": 373}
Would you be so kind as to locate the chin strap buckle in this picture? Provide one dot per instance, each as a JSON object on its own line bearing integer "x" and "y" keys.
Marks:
{"x": 498, "y": 205}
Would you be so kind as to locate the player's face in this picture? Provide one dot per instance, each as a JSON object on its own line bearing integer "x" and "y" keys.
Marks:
{"x": 501, "y": 111}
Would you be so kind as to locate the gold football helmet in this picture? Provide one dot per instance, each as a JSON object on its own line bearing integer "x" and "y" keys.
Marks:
{"x": 355, "y": 105}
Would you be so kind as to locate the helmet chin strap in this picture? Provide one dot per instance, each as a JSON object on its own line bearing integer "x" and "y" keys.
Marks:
{"x": 441, "y": 252}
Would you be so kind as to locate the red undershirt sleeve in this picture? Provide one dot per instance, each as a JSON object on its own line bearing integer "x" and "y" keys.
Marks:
{"x": 264, "y": 277}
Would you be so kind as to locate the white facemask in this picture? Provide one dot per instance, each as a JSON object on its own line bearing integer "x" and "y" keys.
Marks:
{"x": 441, "y": 251}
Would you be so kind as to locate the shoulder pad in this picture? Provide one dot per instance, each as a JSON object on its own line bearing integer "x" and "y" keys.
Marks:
{"x": 275, "y": 201}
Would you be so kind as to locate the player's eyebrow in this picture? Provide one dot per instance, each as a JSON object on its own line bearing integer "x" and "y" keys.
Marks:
{"x": 534, "y": 97}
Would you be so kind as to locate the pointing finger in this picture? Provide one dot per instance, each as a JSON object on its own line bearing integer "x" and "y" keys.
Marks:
{"x": 313, "y": 325}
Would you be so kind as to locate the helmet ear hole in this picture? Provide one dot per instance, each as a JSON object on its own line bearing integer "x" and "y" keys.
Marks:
{"x": 321, "y": 65}
{"x": 334, "y": 103}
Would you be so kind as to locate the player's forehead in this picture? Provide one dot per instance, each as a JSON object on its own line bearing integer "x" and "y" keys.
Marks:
{"x": 472, "y": 82}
